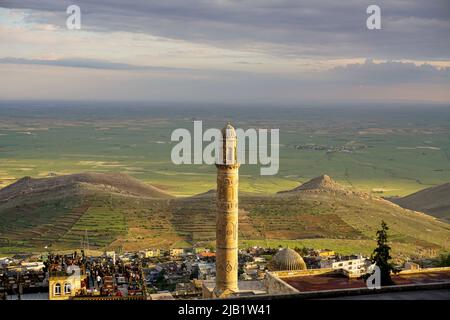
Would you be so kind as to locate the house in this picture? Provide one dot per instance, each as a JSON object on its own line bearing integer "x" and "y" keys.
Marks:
{"x": 176, "y": 252}
{"x": 62, "y": 285}
{"x": 151, "y": 253}
{"x": 326, "y": 253}
{"x": 32, "y": 266}
{"x": 353, "y": 265}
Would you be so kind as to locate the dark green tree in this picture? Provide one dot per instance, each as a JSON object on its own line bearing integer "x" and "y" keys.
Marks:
{"x": 444, "y": 260}
{"x": 381, "y": 256}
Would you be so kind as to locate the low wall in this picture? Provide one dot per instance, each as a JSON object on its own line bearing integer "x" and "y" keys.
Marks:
{"x": 300, "y": 273}
{"x": 274, "y": 285}
{"x": 352, "y": 292}
{"x": 312, "y": 272}
{"x": 425, "y": 270}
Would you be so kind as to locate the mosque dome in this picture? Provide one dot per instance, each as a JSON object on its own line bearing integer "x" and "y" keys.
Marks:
{"x": 228, "y": 131}
{"x": 288, "y": 259}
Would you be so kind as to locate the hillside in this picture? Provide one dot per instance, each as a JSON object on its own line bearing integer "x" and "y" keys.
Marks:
{"x": 119, "y": 212}
{"x": 112, "y": 182}
{"x": 434, "y": 201}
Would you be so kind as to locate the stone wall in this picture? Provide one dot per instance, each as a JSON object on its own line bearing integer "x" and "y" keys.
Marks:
{"x": 299, "y": 273}
{"x": 274, "y": 285}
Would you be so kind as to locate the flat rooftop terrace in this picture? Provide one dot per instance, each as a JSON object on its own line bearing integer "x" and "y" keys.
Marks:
{"x": 333, "y": 281}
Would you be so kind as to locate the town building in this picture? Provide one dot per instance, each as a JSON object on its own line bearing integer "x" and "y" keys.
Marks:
{"x": 63, "y": 285}
{"x": 176, "y": 252}
{"x": 335, "y": 283}
{"x": 326, "y": 253}
{"x": 151, "y": 253}
{"x": 355, "y": 266}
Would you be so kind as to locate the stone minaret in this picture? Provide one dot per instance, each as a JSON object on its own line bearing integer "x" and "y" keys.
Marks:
{"x": 227, "y": 216}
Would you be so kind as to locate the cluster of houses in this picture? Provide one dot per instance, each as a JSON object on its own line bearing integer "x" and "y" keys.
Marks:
{"x": 17, "y": 275}
{"x": 149, "y": 274}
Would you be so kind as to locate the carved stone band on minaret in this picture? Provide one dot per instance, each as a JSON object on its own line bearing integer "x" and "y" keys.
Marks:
{"x": 227, "y": 217}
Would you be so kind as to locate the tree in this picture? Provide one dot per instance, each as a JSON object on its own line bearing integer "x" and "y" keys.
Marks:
{"x": 444, "y": 260}
{"x": 381, "y": 256}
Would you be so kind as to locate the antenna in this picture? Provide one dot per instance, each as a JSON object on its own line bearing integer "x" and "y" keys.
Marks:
{"x": 86, "y": 239}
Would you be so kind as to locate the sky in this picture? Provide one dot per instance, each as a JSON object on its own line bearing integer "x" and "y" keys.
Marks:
{"x": 248, "y": 51}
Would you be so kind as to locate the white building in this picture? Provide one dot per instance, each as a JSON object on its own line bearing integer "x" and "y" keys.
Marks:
{"x": 32, "y": 266}
{"x": 354, "y": 265}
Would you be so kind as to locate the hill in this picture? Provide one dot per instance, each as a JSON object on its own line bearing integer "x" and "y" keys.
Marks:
{"x": 434, "y": 201}
{"x": 119, "y": 212}
{"x": 112, "y": 182}
{"x": 323, "y": 182}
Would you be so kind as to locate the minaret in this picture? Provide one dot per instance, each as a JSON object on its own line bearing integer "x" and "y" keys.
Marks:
{"x": 227, "y": 216}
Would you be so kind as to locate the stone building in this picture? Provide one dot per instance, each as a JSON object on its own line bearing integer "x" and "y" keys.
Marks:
{"x": 64, "y": 285}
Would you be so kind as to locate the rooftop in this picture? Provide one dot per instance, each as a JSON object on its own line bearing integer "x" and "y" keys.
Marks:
{"x": 333, "y": 281}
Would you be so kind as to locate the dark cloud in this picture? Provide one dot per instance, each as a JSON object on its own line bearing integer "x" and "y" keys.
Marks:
{"x": 412, "y": 29}
{"x": 88, "y": 64}
{"x": 387, "y": 73}
{"x": 367, "y": 73}
{"x": 389, "y": 81}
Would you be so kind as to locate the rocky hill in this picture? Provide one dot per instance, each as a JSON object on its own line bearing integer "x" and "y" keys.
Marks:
{"x": 323, "y": 182}
{"x": 112, "y": 182}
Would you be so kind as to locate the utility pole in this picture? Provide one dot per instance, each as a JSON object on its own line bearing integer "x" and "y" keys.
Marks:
{"x": 86, "y": 239}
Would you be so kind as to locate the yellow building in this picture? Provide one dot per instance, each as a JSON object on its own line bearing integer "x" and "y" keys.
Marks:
{"x": 326, "y": 253}
{"x": 176, "y": 252}
{"x": 151, "y": 253}
{"x": 63, "y": 286}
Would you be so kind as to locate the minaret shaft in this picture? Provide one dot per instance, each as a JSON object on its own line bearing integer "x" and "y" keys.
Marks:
{"x": 227, "y": 218}
{"x": 227, "y": 228}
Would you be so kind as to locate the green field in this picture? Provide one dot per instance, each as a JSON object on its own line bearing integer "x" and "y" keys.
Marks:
{"x": 399, "y": 150}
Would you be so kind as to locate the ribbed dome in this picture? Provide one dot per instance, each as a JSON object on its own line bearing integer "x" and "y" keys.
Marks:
{"x": 288, "y": 259}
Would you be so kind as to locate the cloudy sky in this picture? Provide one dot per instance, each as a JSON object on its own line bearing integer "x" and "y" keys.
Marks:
{"x": 276, "y": 51}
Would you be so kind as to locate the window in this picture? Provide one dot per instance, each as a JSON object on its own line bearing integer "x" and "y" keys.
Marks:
{"x": 67, "y": 288}
{"x": 230, "y": 155}
{"x": 57, "y": 289}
